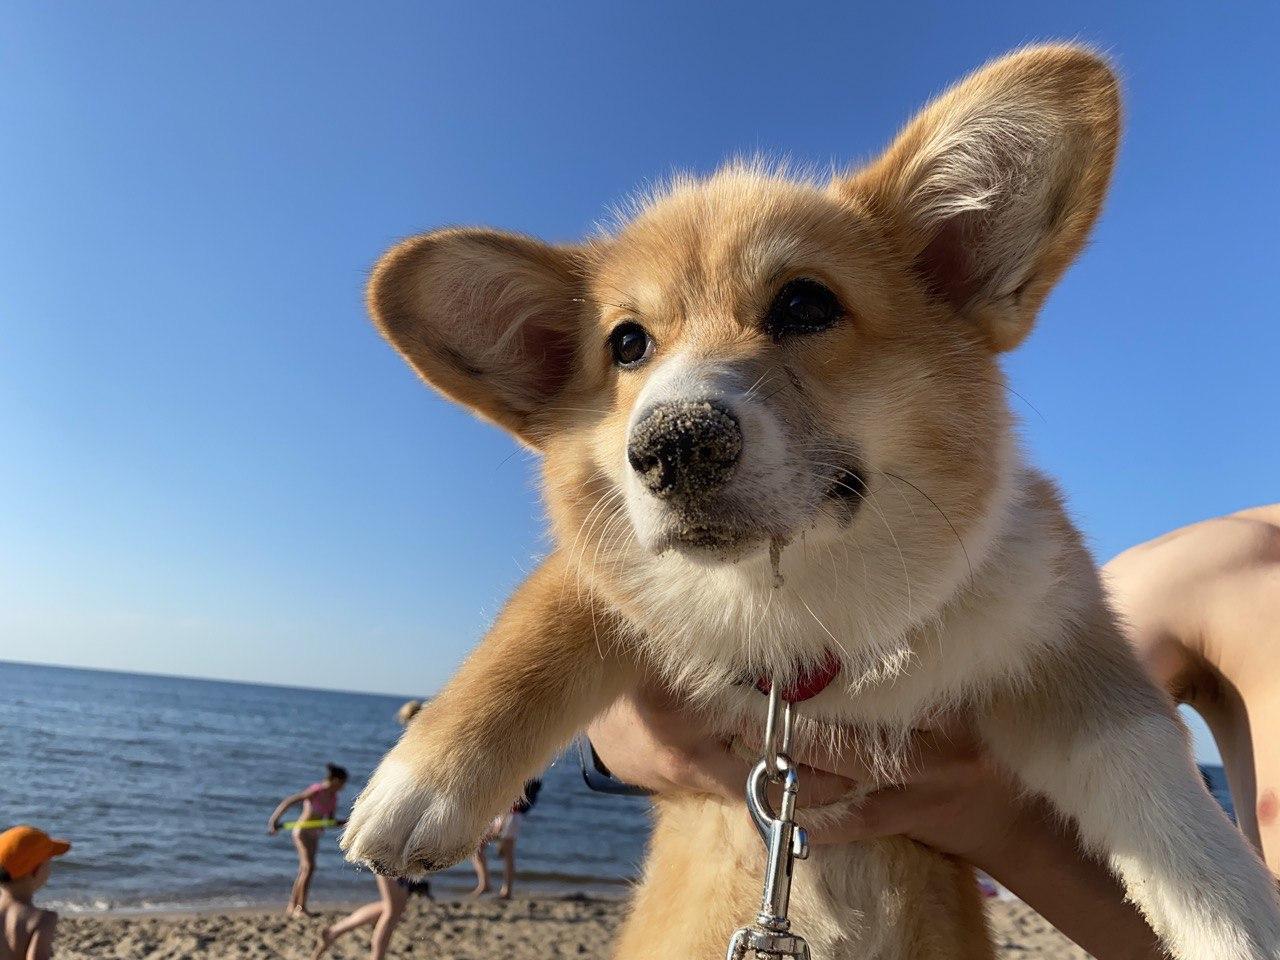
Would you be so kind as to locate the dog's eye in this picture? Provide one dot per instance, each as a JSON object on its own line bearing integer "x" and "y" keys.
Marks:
{"x": 802, "y": 306}
{"x": 631, "y": 344}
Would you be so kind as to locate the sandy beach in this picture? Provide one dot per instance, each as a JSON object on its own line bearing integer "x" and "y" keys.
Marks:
{"x": 522, "y": 929}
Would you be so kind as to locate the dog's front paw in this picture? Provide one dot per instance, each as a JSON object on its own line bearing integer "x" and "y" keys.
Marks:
{"x": 400, "y": 825}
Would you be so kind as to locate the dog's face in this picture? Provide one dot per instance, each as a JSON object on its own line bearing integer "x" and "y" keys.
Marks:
{"x": 753, "y": 361}
{"x": 762, "y": 353}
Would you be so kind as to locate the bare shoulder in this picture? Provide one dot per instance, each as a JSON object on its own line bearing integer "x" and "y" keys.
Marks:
{"x": 1201, "y": 582}
{"x": 31, "y": 928}
{"x": 1192, "y": 553}
{"x": 1268, "y": 516}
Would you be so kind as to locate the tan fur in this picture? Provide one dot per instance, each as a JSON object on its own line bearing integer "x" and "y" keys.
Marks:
{"x": 955, "y": 581}
{"x": 1056, "y": 116}
{"x": 702, "y": 882}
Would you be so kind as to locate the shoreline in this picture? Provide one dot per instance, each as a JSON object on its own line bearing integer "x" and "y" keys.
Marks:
{"x": 320, "y": 906}
{"x": 523, "y": 928}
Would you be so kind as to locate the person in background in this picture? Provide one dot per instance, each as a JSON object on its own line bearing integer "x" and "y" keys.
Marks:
{"x": 408, "y": 710}
{"x": 393, "y": 893}
{"x": 26, "y": 860}
{"x": 384, "y": 914}
{"x": 505, "y": 829}
{"x": 1201, "y": 606}
{"x": 319, "y": 802}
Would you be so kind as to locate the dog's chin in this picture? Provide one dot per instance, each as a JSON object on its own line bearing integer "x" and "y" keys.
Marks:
{"x": 731, "y": 531}
{"x": 710, "y": 543}
{"x": 704, "y": 542}
{"x": 713, "y": 551}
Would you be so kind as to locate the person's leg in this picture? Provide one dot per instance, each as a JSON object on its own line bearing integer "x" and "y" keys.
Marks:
{"x": 304, "y": 860}
{"x": 308, "y": 841}
{"x": 480, "y": 861}
{"x": 507, "y": 847}
{"x": 394, "y": 897}
{"x": 360, "y": 917}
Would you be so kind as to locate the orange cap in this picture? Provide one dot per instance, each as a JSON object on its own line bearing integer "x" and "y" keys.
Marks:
{"x": 23, "y": 849}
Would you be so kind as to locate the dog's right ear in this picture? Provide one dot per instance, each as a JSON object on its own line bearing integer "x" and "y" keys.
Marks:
{"x": 490, "y": 319}
{"x": 995, "y": 185}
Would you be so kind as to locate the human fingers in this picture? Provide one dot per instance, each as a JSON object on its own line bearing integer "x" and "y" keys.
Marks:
{"x": 926, "y": 753}
{"x": 819, "y": 788}
{"x": 884, "y": 813}
{"x": 960, "y": 807}
{"x": 648, "y": 739}
{"x": 652, "y": 739}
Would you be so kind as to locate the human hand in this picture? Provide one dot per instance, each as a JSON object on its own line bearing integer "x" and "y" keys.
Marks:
{"x": 649, "y": 738}
{"x": 947, "y": 793}
{"x": 951, "y": 796}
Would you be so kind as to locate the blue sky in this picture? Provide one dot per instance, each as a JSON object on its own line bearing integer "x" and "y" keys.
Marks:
{"x": 213, "y": 466}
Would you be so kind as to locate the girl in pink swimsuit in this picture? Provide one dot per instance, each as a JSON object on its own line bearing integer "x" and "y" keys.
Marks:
{"x": 319, "y": 802}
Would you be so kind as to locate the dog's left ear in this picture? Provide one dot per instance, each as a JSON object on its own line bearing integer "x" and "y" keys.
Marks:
{"x": 994, "y": 186}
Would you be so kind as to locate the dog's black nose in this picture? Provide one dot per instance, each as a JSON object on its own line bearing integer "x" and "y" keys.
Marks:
{"x": 685, "y": 448}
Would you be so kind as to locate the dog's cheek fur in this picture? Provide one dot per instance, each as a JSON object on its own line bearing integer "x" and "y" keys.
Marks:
{"x": 914, "y": 388}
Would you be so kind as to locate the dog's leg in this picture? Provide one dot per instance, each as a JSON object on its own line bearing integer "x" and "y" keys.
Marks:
{"x": 1105, "y": 746}
{"x": 547, "y": 666}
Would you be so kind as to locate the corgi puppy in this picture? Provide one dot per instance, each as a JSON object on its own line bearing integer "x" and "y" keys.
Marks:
{"x": 775, "y": 442}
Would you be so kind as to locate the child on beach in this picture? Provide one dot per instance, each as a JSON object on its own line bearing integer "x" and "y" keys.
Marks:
{"x": 505, "y": 829}
{"x": 26, "y": 860}
{"x": 408, "y": 710}
{"x": 384, "y": 913}
{"x": 319, "y": 803}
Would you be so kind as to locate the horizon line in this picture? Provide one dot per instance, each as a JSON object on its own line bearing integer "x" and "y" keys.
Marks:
{"x": 181, "y": 676}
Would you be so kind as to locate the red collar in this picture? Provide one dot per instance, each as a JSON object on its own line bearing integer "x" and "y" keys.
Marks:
{"x": 809, "y": 684}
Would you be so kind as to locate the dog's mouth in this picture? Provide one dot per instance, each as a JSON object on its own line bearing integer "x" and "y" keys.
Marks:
{"x": 709, "y": 540}
{"x": 711, "y": 534}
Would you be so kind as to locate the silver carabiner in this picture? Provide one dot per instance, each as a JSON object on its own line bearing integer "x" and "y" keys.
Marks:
{"x": 777, "y": 733}
{"x": 785, "y": 842}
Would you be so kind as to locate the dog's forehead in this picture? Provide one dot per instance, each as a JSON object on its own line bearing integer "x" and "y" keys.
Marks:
{"x": 716, "y": 241}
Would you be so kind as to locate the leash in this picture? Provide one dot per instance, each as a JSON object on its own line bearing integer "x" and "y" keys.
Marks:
{"x": 770, "y": 935}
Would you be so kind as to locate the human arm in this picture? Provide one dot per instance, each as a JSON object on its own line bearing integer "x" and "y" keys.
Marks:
{"x": 273, "y": 822}
{"x": 40, "y": 947}
{"x": 1201, "y": 608}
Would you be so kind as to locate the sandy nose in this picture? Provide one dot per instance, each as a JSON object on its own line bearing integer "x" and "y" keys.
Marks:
{"x": 685, "y": 449}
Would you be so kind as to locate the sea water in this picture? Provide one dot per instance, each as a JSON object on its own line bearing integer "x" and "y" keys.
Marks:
{"x": 164, "y": 786}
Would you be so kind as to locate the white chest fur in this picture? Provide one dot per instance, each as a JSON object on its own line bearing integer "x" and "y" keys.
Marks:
{"x": 918, "y": 632}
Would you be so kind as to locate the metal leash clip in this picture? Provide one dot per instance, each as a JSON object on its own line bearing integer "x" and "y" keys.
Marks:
{"x": 785, "y": 842}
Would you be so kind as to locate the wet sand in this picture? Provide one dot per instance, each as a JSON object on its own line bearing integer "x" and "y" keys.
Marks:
{"x": 522, "y": 929}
